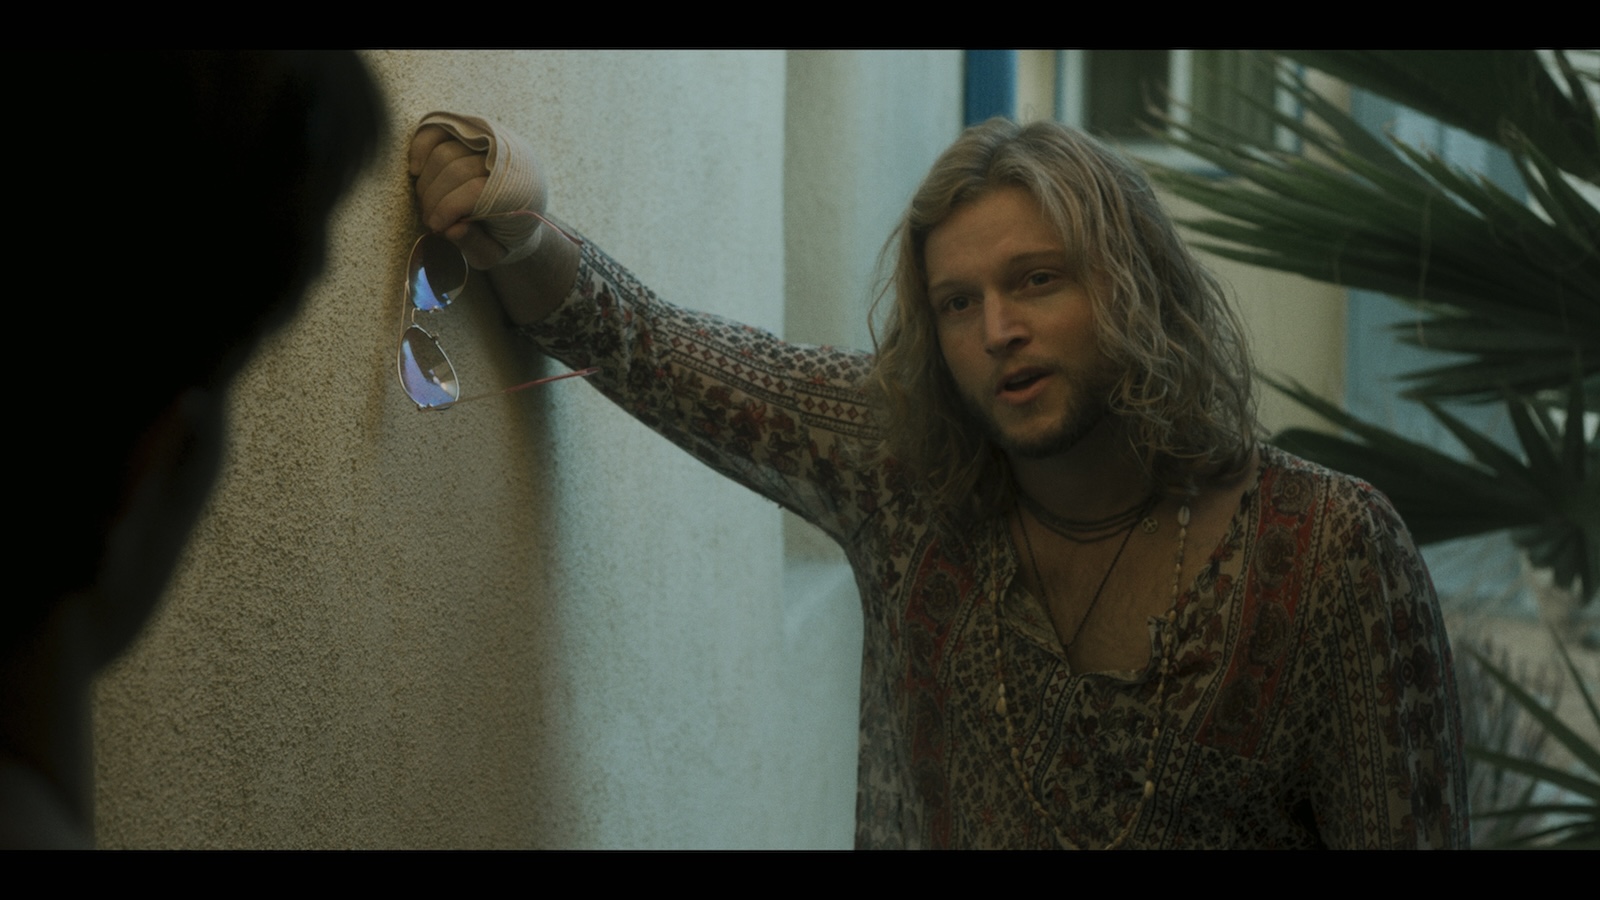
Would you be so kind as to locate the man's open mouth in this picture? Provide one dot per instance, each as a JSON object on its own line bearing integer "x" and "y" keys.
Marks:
{"x": 1021, "y": 381}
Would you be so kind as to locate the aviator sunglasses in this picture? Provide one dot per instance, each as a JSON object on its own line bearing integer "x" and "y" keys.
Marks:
{"x": 436, "y": 273}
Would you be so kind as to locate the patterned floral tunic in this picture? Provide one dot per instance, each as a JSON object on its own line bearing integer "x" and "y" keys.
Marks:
{"x": 1311, "y": 700}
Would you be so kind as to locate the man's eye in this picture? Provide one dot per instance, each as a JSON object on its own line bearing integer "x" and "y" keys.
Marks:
{"x": 956, "y": 304}
{"x": 1037, "y": 279}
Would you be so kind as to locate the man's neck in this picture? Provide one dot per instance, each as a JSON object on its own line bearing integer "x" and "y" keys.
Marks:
{"x": 1099, "y": 476}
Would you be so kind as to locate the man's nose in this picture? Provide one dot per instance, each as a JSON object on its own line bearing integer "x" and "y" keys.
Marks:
{"x": 1003, "y": 326}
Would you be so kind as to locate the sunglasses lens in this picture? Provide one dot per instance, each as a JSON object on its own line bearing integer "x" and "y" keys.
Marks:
{"x": 428, "y": 377}
{"x": 436, "y": 273}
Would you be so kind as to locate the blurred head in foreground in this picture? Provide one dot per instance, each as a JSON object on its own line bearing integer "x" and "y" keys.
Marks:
{"x": 173, "y": 215}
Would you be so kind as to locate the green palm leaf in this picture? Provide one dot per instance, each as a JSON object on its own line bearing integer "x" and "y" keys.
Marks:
{"x": 1582, "y": 827}
{"x": 1509, "y": 288}
{"x": 1379, "y": 215}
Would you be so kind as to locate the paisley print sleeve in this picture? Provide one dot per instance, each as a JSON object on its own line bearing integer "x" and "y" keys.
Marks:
{"x": 1389, "y": 769}
{"x": 785, "y": 420}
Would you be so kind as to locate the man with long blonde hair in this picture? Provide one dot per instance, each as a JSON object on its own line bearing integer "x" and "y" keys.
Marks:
{"x": 1098, "y": 612}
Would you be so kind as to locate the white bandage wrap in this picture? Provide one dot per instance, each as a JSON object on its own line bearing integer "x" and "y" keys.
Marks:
{"x": 513, "y": 180}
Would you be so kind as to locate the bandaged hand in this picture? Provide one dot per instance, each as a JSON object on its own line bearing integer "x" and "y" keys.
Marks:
{"x": 464, "y": 167}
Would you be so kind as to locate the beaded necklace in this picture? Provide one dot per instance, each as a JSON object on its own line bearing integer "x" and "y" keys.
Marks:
{"x": 1168, "y": 640}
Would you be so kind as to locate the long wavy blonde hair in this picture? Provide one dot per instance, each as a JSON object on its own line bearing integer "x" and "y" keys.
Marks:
{"x": 1163, "y": 321}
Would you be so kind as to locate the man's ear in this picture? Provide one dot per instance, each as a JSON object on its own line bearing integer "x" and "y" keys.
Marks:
{"x": 170, "y": 474}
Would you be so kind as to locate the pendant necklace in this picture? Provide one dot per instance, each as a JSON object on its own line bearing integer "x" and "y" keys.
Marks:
{"x": 1168, "y": 642}
{"x": 1044, "y": 589}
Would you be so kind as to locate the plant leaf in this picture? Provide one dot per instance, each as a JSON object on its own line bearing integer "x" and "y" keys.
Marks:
{"x": 1534, "y": 809}
{"x": 1578, "y": 679}
{"x": 1485, "y": 450}
{"x": 1478, "y": 92}
{"x": 1581, "y": 750}
{"x": 1549, "y": 774}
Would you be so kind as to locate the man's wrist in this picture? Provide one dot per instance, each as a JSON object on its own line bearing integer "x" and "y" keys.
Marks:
{"x": 532, "y": 287}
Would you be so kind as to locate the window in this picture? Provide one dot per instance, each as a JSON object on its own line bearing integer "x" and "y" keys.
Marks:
{"x": 1112, "y": 92}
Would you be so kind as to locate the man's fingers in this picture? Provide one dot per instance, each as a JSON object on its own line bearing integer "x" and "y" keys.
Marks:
{"x": 450, "y": 159}
{"x": 447, "y": 203}
{"x": 452, "y": 179}
{"x": 422, "y": 145}
{"x": 450, "y": 182}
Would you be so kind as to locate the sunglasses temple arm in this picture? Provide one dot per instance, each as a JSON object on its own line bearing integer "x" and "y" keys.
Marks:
{"x": 528, "y": 212}
{"x": 581, "y": 373}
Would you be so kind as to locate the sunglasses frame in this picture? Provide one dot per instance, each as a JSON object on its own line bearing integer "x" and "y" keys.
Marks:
{"x": 419, "y": 285}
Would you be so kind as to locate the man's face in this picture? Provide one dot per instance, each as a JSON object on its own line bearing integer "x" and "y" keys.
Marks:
{"x": 1016, "y": 330}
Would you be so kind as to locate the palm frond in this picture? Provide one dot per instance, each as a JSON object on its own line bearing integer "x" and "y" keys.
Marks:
{"x": 1379, "y": 215}
{"x": 1480, "y": 92}
{"x": 1549, "y": 502}
{"x": 1577, "y": 822}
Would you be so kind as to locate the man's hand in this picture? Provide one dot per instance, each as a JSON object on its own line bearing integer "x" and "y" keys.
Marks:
{"x": 466, "y": 167}
{"x": 451, "y": 178}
